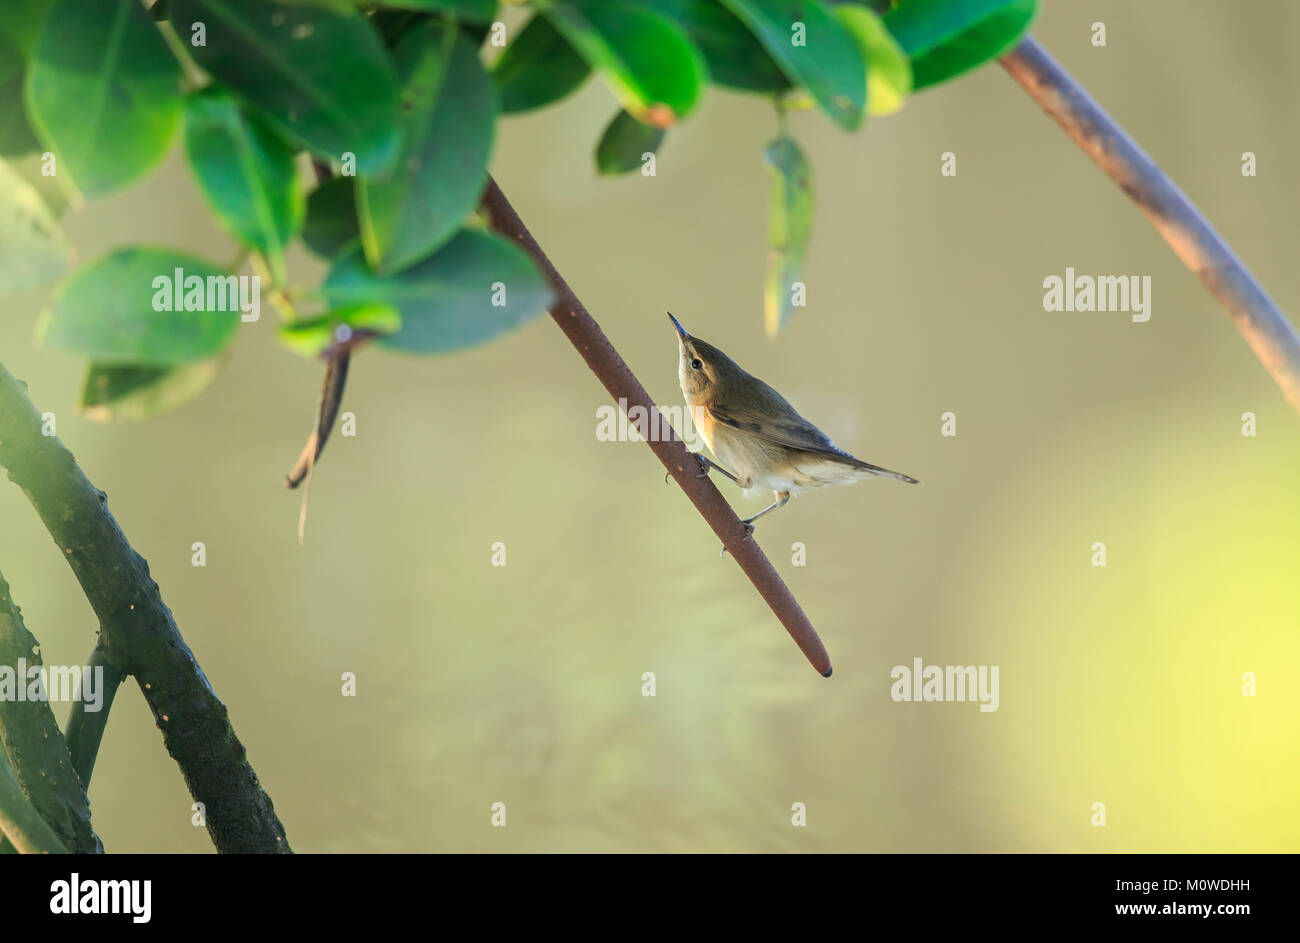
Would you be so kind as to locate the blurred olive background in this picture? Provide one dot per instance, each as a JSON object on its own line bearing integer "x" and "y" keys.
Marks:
{"x": 522, "y": 684}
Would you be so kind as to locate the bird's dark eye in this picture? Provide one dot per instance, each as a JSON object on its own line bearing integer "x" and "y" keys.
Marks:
{"x": 696, "y": 363}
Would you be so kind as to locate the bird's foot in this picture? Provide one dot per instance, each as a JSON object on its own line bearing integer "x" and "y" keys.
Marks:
{"x": 705, "y": 466}
{"x": 749, "y": 533}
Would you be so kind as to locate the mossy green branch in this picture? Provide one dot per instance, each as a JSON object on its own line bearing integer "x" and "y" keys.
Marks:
{"x": 86, "y": 727}
{"x": 20, "y": 823}
{"x": 137, "y": 632}
{"x": 33, "y": 746}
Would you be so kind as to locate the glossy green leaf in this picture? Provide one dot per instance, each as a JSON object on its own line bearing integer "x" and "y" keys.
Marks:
{"x": 247, "y": 174}
{"x": 789, "y": 225}
{"x": 735, "y": 57}
{"x": 983, "y": 42}
{"x": 448, "y": 115}
{"x": 319, "y": 73}
{"x": 948, "y": 37}
{"x": 103, "y": 91}
{"x": 127, "y": 392}
{"x": 625, "y": 142}
{"x": 822, "y": 56}
{"x": 16, "y": 135}
{"x": 12, "y": 58}
{"x": 131, "y": 307}
{"x": 538, "y": 67}
{"x": 331, "y": 217}
{"x": 22, "y": 20}
{"x": 33, "y": 250}
{"x": 313, "y": 336}
{"x": 653, "y": 69}
{"x": 922, "y": 25}
{"x": 889, "y": 73}
{"x": 471, "y": 11}
{"x": 475, "y": 287}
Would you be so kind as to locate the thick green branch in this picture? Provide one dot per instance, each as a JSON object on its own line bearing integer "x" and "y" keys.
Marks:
{"x": 585, "y": 335}
{"x": 24, "y": 827}
{"x": 137, "y": 631}
{"x": 1177, "y": 219}
{"x": 86, "y": 727}
{"x": 33, "y": 745}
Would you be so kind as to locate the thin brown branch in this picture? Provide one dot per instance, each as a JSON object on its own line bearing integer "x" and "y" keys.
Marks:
{"x": 327, "y": 410}
{"x": 1177, "y": 219}
{"x": 137, "y": 630}
{"x": 585, "y": 335}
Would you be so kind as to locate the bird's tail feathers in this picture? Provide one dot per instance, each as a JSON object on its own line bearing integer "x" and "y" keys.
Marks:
{"x": 884, "y": 472}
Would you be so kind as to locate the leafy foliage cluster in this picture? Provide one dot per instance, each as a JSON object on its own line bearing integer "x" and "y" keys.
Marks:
{"x": 365, "y": 131}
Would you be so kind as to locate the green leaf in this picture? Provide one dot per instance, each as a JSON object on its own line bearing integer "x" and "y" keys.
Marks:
{"x": 948, "y": 37}
{"x": 33, "y": 250}
{"x": 625, "y": 142}
{"x": 990, "y": 38}
{"x": 921, "y": 25}
{"x": 827, "y": 63}
{"x": 471, "y": 11}
{"x": 313, "y": 336}
{"x": 789, "y": 225}
{"x": 247, "y": 174}
{"x": 16, "y": 135}
{"x": 446, "y": 302}
{"x": 448, "y": 113}
{"x": 12, "y": 59}
{"x": 538, "y": 67}
{"x": 889, "y": 73}
{"x": 103, "y": 91}
{"x": 331, "y": 217}
{"x": 319, "y": 73}
{"x": 117, "y": 309}
{"x": 22, "y": 21}
{"x": 734, "y": 56}
{"x": 129, "y": 392}
{"x": 648, "y": 62}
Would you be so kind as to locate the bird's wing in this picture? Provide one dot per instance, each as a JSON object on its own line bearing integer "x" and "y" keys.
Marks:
{"x": 753, "y": 417}
{"x": 768, "y": 416}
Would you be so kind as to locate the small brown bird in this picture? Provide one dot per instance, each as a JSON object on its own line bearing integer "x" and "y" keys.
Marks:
{"x": 750, "y": 426}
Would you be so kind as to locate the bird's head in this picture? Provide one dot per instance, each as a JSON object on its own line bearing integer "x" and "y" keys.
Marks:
{"x": 703, "y": 371}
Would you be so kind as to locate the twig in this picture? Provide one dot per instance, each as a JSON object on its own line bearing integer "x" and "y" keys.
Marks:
{"x": 86, "y": 728}
{"x": 327, "y": 410}
{"x": 585, "y": 335}
{"x": 1177, "y": 219}
{"x": 33, "y": 745}
{"x": 137, "y": 630}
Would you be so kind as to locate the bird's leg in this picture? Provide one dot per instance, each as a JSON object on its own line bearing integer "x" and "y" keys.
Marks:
{"x": 782, "y": 499}
{"x": 705, "y": 465}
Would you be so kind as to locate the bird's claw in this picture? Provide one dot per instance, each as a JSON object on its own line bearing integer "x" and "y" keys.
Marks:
{"x": 749, "y": 533}
{"x": 704, "y": 464}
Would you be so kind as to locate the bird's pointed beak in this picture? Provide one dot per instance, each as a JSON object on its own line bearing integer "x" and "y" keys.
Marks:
{"x": 681, "y": 331}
